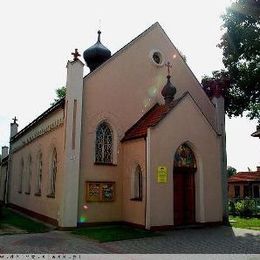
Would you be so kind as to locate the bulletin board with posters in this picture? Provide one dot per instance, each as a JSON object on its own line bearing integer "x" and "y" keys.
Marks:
{"x": 97, "y": 191}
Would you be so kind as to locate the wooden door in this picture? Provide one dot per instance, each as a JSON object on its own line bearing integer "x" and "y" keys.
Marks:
{"x": 178, "y": 199}
{"x": 184, "y": 197}
{"x": 189, "y": 199}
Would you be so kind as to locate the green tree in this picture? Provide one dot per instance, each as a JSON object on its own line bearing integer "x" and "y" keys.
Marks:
{"x": 241, "y": 57}
{"x": 231, "y": 171}
{"x": 60, "y": 93}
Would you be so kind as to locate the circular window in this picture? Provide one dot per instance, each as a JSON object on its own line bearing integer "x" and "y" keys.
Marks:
{"x": 157, "y": 57}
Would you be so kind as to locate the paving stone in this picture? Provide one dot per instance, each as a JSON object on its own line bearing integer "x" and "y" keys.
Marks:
{"x": 217, "y": 240}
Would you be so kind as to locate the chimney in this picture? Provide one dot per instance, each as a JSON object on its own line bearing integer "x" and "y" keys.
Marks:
{"x": 258, "y": 168}
{"x": 13, "y": 127}
{"x": 4, "y": 151}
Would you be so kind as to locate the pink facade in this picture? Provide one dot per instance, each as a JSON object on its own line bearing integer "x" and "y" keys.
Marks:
{"x": 112, "y": 178}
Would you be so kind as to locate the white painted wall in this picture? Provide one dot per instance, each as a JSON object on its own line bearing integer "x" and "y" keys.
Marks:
{"x": 68, "y": 214}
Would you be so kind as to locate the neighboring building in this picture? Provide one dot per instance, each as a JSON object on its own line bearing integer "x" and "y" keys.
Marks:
{"x": 244, "y": 185}
{"x": 130, "y": 142}
{"x": 3, "y": 173}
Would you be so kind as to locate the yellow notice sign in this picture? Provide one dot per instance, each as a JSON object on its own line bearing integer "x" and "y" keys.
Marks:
{"x": 162, "y": 174}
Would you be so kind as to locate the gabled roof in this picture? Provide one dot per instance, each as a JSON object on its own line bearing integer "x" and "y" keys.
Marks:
{"x": 36, "y": 121}
{"x": 124, "y": 48}
{"x": 245, "y": 177}
{"x": 150, "y": 119}
{"x": 4, "y": 160}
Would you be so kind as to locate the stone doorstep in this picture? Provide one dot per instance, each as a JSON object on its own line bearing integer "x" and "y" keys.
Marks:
{"x": 6, "y": 229}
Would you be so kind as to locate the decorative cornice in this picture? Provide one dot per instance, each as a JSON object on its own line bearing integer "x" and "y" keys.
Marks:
{"x": 38, "y": 133}
{"x": 36, "y": 121}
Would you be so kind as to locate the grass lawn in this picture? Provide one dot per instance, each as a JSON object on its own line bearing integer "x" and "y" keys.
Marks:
{"x": 248, "y": 223}
{"x": 113, "y": 233}
{"x": 16, "y": 220}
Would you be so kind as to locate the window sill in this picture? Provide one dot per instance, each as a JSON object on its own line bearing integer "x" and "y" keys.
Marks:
{"x": 136, "y": 199}
{"x": 51, "y": 196}
{"x": 38, "y": 194}
{"x": 106, "y": 164}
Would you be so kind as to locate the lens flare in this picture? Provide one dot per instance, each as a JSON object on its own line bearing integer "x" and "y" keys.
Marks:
{"x": 85, "y": 207}
{"x": 152, "y": 91}
{"x": 83, "y": 219}
{"x": 146, "y": 102}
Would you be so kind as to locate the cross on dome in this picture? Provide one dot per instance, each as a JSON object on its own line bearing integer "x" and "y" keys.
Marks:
{"x": 76, "y": 55}
{"x": 15, "y": 119}
{"x": 168, "y": 65}
{"x": 168, "y": 90}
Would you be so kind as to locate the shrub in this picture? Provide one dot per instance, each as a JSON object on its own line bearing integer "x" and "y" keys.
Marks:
{"x": 231, "y": 208}
{"x": 245, "y": 208}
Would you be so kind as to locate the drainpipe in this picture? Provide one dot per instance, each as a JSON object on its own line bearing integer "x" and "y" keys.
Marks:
{"x": 148, "y": 182}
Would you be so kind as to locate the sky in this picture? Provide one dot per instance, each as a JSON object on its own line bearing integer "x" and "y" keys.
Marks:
{"x": 37, "y": 38}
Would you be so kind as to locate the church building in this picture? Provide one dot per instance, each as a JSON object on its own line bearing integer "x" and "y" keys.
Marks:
{"x": 137, "y": 140}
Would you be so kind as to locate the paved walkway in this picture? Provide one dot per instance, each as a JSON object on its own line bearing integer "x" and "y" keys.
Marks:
{"x": 217, "y": 240}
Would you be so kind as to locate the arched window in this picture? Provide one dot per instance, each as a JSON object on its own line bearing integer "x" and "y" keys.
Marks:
{"x": 104, "y": 144}
{"x": 20, "y": 181}
{"x": 53, "y": 173}
{"x": 29, "y": 175}
{"x": 184, "y": 157}
{"x": 38, "y": 184}
{"x": 137, "y": 184}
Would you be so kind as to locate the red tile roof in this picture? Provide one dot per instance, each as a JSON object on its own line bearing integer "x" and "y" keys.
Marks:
{"x": 245, "y": 177}
{"x": 149, "y": 119}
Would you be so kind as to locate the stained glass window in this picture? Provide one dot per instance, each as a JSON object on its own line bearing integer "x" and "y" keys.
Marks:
{"x": 104, "y": 144}
{"x": 184, "y": 157}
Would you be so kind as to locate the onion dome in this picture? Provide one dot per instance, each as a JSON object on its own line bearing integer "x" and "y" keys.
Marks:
{"x": 168, "y": 91}
{"x": 95, "y": 55}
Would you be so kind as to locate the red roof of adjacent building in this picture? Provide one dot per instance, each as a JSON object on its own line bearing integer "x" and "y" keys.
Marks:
{"x": 245, "y": 177}
{"x": 149, "y": 119}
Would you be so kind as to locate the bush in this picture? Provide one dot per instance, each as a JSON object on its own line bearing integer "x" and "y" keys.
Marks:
{"x": 245, "y": 208}
{"x": 231, "y": 208}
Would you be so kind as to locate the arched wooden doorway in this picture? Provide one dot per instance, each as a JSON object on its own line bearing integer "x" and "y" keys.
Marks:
{"x": 184, "y": 186}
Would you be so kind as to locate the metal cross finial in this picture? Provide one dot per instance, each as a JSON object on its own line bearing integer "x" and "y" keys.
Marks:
{"x": 15, "y": 119}
{"x": 168, "y": 65}
{"x": 75, "y": 54}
